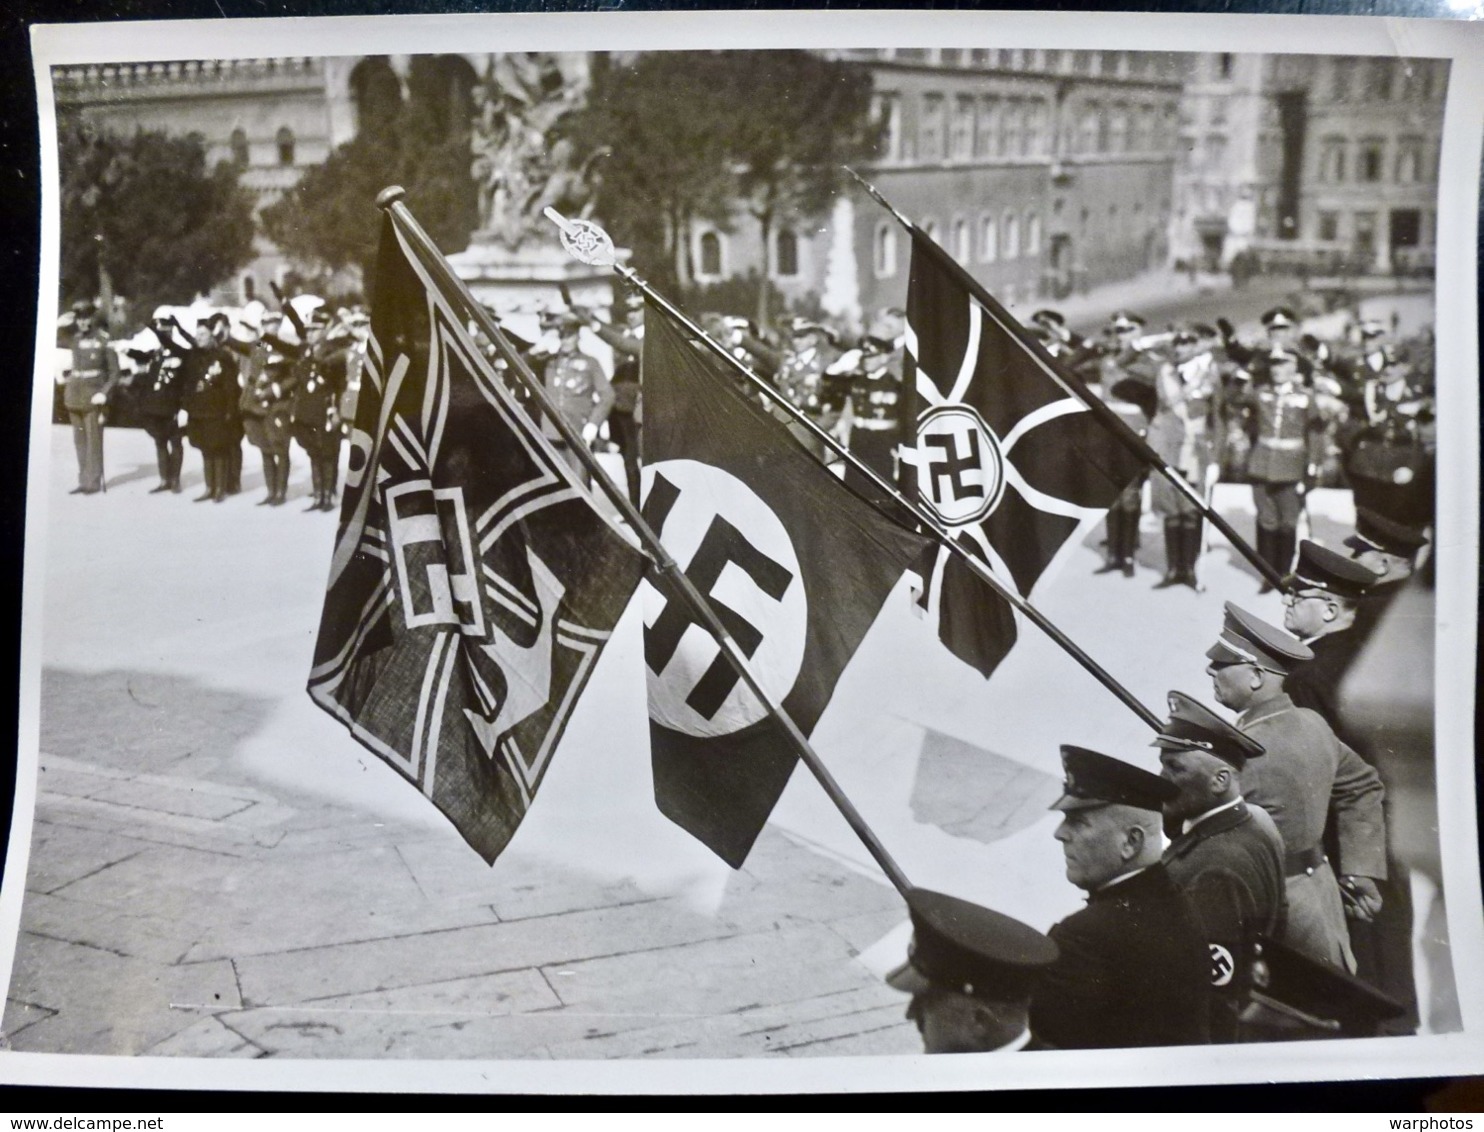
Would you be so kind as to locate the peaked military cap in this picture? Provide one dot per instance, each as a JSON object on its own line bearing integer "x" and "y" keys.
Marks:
{"x": 1330, "y": 996}
{"x": 1123, "y": 320}
{"x": 1280, "y": 318}
{"x": 1320, "y": 568}
{"x": 84, "y": 309}
{"x": 1374, "y": 531}
{"x": 1192, "y": 726}
{"x": 1372, "y": 328}
{"x": 1052, "y": 324}
{"x": 964, "y": 947}
{"x": 1194, "y": 332}
{"x": 1094, "y": 779}
{"x": 1248, "y": 639}
{"x": 798, "y": 326}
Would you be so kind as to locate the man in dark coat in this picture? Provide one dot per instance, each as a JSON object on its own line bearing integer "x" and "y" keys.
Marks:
{"x": 158, "y": 395}
{"x": 210, "y": 403}
{"x": 1308, "y": 780}
{"x": 318, "y": 380}
{"x": 1227, "y": 857}
{"x": 970, "y": 972}
{"x": 1133, "y": 968}
{"x": 1321, "y": 600}
{"x": 1389, "y": 548}
{"x": 627, "y": 343}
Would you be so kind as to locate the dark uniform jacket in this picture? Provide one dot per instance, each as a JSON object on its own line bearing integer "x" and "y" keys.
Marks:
{"x": 1315, "y": 684}
{"x": 1307, "y": 778}
{"x": 1133, "y": 970}
{"x": 159, "y": 389}
{"x": 628, "y": 348}
{"x": 210, "y": 398}
{"x": 318, "y": 379}
{"x": 1230, "y": 866}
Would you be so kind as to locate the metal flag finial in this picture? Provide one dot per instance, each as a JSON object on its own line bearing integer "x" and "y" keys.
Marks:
{"x": 584, "y": 240}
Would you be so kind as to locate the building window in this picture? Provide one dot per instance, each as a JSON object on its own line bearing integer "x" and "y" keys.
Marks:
{"x": 989, "y": 240}
{"x": 1010, "y": 243}
{"x": 1118, "y": 129}
{"x": 888, "y": 116}
{"x": 1409, "y": 161}
{"x": 1379, "y": 85}
{"x": 788, "y": 254}
{"x": 1032, "y": 233}
{"x": 951, "y": 56}
{"x": 987, "y": 127}
{"x": 285, "y": 141}
{"x": 1332, "y": 161}
{"x": 710, "y": 259}
{"x": 1033, "y": 141}
{"x": 886, "y": 249}
{"x": 1010, "y": 134}
{"x": 1224, "y": 65}
{"x": 1341, "y": 78}
{"x": 1007, "y": 59}
{"x": 929, "y": 228}
{"x": 240, "y": 154}
{"x": 1056, "y": 61}
{"x": 961, "y": 146}
{"x": 1081, "y": 62}
{"x": 980, "y": 57}
{"x": 1087, "y": 134}
{"x": 962, "y": 241}
{"x": 1368, "y": 166}
{"x": 1329, "y": 225}
{"x": 930, "y": 129}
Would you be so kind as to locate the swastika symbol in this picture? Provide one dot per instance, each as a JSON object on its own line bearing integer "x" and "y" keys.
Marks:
{"x": 953, "y": 467}
{"x": 1223, "y": 967}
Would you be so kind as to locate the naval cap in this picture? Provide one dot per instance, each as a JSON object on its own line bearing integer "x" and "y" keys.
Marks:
{"x": 1192, "y": 726}
{"x": 1248, "y": 639}
{"x": 1320, "y": 990}
{"x": 1320, "y": 568}
{"x": 1094, "y": 779}
{"x": 1374, "y": 531}
{"x": 1279, "y": 318}
{"x": 964, "y": 947}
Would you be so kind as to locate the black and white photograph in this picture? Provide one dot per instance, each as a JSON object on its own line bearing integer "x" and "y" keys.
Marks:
{"x": 614, "y": 553}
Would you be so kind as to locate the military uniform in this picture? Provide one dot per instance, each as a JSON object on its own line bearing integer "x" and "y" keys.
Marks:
{"x": 625, "y": 416}
{"x": 1132, "y": 967}
{"x": 1390, "y": 463}
{"x": 872, "y": 380}
{"x": 580, "y": 393}
{"x": 265, "y": 404}
{"x": 94, "y": 373}
{"x": 1180, "y": 433}
{"x": 318, "y": 380}
{"x": 213, "y": 425}
{"x": 159, "y": 393}
{"x": 1306, "y": 779}
{"x": 1126, "y": 378}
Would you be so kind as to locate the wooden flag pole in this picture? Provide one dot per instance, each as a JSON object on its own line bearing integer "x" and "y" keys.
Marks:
{"x": 1121, "y": 431}
{"x": 920, "y": 515}
{"x": 391, "y": 201}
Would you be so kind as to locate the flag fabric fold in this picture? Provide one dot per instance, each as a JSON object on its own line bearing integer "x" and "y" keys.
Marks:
{"x": 1007, "y": 459}
{"x": 794, "y": 565}
{"x": 473, "y": 584}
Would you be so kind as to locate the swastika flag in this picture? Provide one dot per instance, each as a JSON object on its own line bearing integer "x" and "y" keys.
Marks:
{"x": 1006, "y": 458}
{"x": 473, "y": 584}
{"x": 794, "y": 565}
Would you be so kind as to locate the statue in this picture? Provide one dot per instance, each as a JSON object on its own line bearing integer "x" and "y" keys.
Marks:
{"x": 522, "y": 163}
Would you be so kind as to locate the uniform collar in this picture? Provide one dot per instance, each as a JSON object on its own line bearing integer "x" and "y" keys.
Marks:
{"x": 1191, "y": 823}
{"x": 1108, "y": 886}
{"x": 1276, "y": 706}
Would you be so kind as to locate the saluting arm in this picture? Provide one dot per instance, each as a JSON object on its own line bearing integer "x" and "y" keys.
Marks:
{"x": 624, "y": 343}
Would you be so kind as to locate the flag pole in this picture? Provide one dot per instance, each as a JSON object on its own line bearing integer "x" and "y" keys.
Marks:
{"x": 1110, "y": 420}
{"x": 391, "y": 201}
{"x": 978, "y": 568}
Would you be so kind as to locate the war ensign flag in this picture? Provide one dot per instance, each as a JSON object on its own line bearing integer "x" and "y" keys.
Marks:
{"x": 1006, "y": 459}
{"x": 473, "y": 584}
{"x": 794, "y": 565}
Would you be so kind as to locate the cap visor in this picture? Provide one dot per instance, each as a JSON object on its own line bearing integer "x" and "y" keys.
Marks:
{"x": 1356, "y": 542}
{"x": 1220, "y": 651}
{"x": 908, "y": 979}
{"x": 1069, "y": 802}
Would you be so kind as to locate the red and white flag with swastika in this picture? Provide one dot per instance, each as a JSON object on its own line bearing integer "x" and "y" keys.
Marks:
{"x": 473, "y": 584}
{"x": 1005, "y": 457}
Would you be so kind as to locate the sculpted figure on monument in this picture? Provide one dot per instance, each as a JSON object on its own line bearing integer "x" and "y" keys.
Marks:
{"x": 522, "y": 163}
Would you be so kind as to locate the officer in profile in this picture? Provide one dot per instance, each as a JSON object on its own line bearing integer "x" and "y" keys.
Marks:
{"x": 1133, "y": 968}
{"x": 970, "y": 972}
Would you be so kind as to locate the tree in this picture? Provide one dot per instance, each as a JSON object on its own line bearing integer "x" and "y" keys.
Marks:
{"x": 803, "y": 118}
{"x": 665, "y": 116}
{"x": 143, "y": 215}
{"x": 329, "y": 219}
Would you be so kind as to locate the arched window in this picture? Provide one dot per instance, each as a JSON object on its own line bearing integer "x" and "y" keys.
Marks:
{"x": 1032, "y": 233}
{"x": 285, "y": 141}
{"x": 376, "y": 92}
{"x": 1010, "y": 241}
{"x": 886, "y": 250}
{"x": 930, "y": 230}
{"x": 240, "y": 155}
{"x": 788, "y": 253}
{"x": 962, "y": 241}
{"x": 710, "y": 257}
{"x": 989, "y": 239}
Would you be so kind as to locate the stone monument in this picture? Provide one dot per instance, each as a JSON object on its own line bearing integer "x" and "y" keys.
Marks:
{"x": 523, "y": 163}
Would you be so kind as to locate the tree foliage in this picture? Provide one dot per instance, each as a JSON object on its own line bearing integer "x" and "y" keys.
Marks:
{"x": 148, "y": 212}
{"x": 329, "y": 219}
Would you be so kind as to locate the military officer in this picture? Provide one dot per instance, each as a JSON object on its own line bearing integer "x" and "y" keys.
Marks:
{"x": 1389, "y": 548}
{"x": 1125, "y": 376}
{"x": 1187, "y": 388}
{"x": 159, "y": 394}
{"x": 266, "y": 402}
{"x": 970, "y": 972}
{"x": 1298, "y": 998}
{"x": 579, "y": 390}
{"x": 1133, "y": 968}
{"x": 1390, "y": 462}
{"x": 801, "y": 378}
{"x": 210, "y": 405}
{"x": 1286, "y": 428}
{"x": 318, "y": 381}
{"x": 873, "y": 412}
{"x": 1226, "y": 856}
{"x": 94, "y": 373}
{"x": 625, "y": 418}
{"x": 1306, "y": 775}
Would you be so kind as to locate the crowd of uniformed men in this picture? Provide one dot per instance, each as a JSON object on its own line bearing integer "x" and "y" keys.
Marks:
{"x": 1244, "y": 893}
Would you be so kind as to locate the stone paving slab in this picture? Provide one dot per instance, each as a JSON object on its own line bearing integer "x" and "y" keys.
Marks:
{"x": 428, "y": 957}
{"x": 146, "y": 823}
{"x": 207, "y": 1038}
{"x": 509, "y": 992}
{"x": 62, "y": 854}
{"x": 154, "y": 935}
{"x": 109, "y": 1003}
